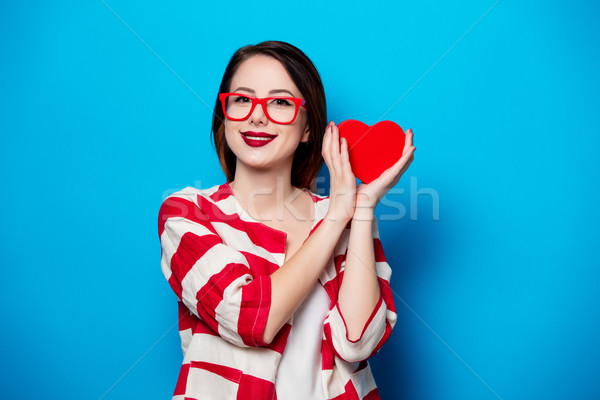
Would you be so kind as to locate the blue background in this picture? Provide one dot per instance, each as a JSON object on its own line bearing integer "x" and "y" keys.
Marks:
{"x": 104, "y": 112}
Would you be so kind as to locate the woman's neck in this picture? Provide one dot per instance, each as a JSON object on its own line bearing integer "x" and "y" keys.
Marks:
{"x": 263, "y": 194}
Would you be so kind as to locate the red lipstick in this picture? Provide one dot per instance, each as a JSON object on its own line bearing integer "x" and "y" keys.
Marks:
{"x": 257, "y": 139}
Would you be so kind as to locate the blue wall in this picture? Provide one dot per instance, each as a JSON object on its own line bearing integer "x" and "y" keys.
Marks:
{"x": 494, "y": 248}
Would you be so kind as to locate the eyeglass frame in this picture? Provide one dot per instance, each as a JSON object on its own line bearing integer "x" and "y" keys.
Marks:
{"x": 263, "y": 102}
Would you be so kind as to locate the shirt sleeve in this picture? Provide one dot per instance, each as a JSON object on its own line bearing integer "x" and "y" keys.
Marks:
{"x": 213, "y": 280}
{"x": 378, "y": 327}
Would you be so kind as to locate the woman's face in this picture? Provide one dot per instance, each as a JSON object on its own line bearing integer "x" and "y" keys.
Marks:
{"x": 262, "y": 76}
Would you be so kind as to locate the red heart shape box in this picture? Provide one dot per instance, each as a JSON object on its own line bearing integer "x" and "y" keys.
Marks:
{"x": 373, "y": 149}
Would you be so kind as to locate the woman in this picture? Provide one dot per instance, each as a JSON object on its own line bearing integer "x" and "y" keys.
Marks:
{"x": 282, "y": 293}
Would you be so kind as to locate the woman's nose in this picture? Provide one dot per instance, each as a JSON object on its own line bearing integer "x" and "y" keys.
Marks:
{"x": 258, "y": 115}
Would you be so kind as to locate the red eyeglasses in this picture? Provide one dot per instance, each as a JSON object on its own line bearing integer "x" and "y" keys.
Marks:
{"x": 281, "y": 110}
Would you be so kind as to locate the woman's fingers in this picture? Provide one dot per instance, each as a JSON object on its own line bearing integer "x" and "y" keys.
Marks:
{"x": 402, "y": 164}
{"x": 326, "y": 151}
{"x": 408, "y": 141}
{"x": 343, "y": 184}
{"x": 345, "y": 158}
{"x": 335, "y": 149}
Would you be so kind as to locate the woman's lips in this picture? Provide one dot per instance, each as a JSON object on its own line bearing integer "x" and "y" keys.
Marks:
{"x": 257, "y": 139}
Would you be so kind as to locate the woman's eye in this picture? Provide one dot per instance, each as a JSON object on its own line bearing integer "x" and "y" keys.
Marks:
{"x": 241, "y": 99}
{"x": 281, "y": 102}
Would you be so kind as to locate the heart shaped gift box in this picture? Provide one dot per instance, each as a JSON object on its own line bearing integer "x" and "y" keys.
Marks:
{"x": 372, "y": 149}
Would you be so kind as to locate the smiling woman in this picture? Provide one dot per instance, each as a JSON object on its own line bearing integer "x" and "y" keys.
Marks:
{"x": 264, "y": 75}
{"x": 294, "y": 68}
{"x": 282, "y": 293}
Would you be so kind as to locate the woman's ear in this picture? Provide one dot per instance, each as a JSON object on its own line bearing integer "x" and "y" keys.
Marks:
{"x": 305, "y": 135}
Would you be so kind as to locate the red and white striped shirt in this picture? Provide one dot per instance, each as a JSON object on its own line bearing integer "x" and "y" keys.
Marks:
{"x": 218, "y": 261}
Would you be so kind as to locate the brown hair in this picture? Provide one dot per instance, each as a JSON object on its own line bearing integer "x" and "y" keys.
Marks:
{"x": 308, "y": 159}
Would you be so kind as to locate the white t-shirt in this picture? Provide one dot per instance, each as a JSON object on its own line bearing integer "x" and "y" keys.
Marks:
{"x": 299, "y": 373}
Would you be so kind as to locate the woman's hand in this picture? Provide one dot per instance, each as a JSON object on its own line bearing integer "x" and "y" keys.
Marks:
{"x": 345, "y": 196}
{"x": 368, "y": 195}
{"x": 342, "y": 181}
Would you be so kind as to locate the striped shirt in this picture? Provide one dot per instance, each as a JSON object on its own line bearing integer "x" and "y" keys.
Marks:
{"x": 218, "y": 261}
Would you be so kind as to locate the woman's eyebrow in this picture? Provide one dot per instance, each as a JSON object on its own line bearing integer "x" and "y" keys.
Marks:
{"x": 274, "y": 91}
{"x": 245, "y": 89}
